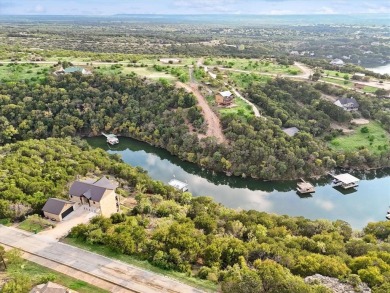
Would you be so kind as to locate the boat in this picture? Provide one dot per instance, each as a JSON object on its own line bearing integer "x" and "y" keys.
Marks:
{"x": 305, "y": 187}
{"x": 182, "y": 186}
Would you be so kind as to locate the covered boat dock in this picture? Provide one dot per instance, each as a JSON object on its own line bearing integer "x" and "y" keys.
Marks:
{"x": 345, "y": 181}
{"x": 178, "y": 185}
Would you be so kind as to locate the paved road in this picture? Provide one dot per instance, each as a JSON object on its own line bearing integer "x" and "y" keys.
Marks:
{"x": 113, "y": 271}
{"x": 88, "y": 278}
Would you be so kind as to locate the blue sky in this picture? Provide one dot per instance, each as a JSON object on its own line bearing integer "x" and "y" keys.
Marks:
{"x": 273, "y": 7}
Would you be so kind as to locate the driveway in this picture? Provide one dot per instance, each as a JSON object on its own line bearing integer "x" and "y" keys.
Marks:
{"x": 79, "y": 216}
{"x": 116, "y": 272}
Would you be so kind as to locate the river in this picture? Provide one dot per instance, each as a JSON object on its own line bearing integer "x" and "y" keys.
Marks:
{"x": 369, "y": 202}
{"x": 381, "y": 69}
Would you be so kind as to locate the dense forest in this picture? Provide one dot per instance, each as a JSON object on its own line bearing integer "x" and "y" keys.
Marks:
{"x": 243, "y": 251}
{"x": 167, "y": 117}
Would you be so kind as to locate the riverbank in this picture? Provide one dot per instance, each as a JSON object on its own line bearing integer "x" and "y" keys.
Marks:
{"x": 359, "y": 206}
{"x": 385, "y": 69}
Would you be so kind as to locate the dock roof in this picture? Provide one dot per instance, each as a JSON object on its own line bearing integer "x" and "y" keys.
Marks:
{"x": 177, "y": 184}
{"x": 346, "y": 178}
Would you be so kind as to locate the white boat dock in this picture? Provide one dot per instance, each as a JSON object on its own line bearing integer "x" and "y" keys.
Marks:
{"x": 111, "y": 138}
{"x": 345, "y": 180}
{"x": 182, "y": 186}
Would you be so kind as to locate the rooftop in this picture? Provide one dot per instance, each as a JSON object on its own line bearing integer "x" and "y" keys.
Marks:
{"x": 73, "y": 69}
{"x": 226, "y": 94}
{"x": 93, "y": 190}
{"x": 177, "y": 184}
{"x": 346, "y": 178}
{"x": 55, "y": 205}
{"x": 291, "y": 131}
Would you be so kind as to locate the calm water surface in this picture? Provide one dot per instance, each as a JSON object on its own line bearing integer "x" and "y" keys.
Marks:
{"x": 369, "y": 202}
{"x": 381, "y": 69}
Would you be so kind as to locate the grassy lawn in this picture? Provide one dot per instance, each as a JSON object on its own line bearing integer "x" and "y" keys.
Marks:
{"x": 338, "y": 81}
{"x": 375, "y": 140}
{"x": 333, "y": 73}
{"x": 39, "y": 274}
{"x": 34, "y": 223}
{"x": 253, "y": 65}
{"x": 241, "y": 109}
{"x": 108, "y": 69}
{"x": 244, "y": 79}
{"x": 370, "y": 89}
{"x": 148, "y": 72}
{"x": 154, "y": 61}
{"x": 182, "y": 277}
{"x": 23, "y": 71}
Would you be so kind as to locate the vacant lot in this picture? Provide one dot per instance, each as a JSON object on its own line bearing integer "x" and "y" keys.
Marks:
{"x": 23, "y": 71}
{"x": 39, "y": 273}
{"x": 253, "y": 65}
{"x": 373, "y": 137}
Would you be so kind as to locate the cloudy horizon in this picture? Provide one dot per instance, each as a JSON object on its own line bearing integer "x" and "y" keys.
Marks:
{"x": 250, "y": 7}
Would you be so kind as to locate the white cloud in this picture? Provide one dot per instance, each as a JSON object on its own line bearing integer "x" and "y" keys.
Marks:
{"x": 39, "y": 9}
{"x": 326, "y": 10}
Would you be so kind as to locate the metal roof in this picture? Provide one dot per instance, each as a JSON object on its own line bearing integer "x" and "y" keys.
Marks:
{"x": 177, "y": 184}
{"x": 291, "y": 131}
{"x": 91, "y": 189}
{"x": 346, "y": 178}
{"x": 106, "y": 183}
{"x": 55, "y": 205}
{"x": 226, "y": 94}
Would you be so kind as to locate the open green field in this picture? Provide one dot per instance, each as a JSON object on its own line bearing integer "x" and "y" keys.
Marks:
{"x": 345, "y": 83}
{"x": 155, "y": 61}
{"x": 375, "y": 140}
{"x": 349, "y": 84}
{"x": 243, "y": 80}
{"x": 370, "y": 89}
{"x": 23, "y": 71}
{"x": 182, "y": 277}
{"x": 148, "y": 72}
{"x": 333, "y": 73}
{"x": 254, "y": 65}
{"x": 38, "y": 273}
{"x": 34, "y": 223}
{"x": 241, "y": 109}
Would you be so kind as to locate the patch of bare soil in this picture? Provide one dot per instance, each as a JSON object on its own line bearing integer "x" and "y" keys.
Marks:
{"x": 213, "y": 123}
{"x": 343, "y": 127}
{"x": 360, "y": 121}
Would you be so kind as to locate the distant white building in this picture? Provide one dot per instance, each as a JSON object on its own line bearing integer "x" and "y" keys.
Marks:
{"x": 337, "y": 62}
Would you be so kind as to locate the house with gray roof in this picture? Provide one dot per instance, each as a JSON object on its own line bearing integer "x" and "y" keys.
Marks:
{"x": 56, "y": 209}
{"x": 290, "y": 131}
{"x": 96, "y": 195}
{"x": 348, "y": 104}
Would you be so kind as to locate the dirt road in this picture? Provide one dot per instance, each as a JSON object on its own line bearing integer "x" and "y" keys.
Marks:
{"x": 213, "y": 123}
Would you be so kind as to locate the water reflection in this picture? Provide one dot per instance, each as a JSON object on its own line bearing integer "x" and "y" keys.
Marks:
{"x": 369, "y": 202}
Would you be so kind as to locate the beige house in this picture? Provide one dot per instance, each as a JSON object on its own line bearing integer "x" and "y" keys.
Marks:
{"x": 96, "y": 196}
{"x": 57, "y": 209}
